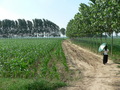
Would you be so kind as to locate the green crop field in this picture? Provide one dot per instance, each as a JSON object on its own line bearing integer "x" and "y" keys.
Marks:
{"x": 28, "y": 59}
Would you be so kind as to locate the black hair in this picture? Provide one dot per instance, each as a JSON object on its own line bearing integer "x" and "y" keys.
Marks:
{"x": 106, "y": 47}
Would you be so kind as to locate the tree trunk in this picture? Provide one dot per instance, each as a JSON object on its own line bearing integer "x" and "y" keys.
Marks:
{"x": 105, "y": 37}
{"x": 101, "y": 37}
{"x": 112, "y": 44}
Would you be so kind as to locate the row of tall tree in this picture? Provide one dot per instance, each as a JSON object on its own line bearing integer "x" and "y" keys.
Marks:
{"x": 96, "y": 18}
{"x": 22, "y": 27}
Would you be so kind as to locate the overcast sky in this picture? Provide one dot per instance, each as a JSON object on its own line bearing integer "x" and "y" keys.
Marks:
{"x": 57, "y": 11}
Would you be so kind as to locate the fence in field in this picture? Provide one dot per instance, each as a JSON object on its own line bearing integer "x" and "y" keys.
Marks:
{"x": 94, "y": 43}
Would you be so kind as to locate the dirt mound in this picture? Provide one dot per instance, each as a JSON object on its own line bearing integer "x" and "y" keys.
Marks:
{"x": 95, "y": 75}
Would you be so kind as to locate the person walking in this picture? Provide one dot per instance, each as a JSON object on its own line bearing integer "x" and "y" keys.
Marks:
{"x": 105, "y": 55}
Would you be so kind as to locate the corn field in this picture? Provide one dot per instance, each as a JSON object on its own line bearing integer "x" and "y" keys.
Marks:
{"x": 26, "y": 58}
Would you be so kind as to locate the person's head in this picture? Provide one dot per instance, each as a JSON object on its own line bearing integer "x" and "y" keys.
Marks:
{"x": 106, "y": 47}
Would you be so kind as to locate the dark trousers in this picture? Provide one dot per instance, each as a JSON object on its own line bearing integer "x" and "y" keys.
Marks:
{"x": 105, "y": 59}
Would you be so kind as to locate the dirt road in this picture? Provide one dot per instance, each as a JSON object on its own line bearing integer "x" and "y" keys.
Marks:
{"x": 95, "y": 75}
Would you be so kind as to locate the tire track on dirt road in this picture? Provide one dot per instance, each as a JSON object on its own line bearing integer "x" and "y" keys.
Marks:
{"x": 95, "y": 75}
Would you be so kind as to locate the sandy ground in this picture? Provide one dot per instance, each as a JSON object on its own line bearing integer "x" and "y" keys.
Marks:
{"x": 95, "y": 75}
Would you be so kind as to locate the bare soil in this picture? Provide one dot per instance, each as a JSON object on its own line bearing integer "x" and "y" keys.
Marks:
{"x": 90, "y": 73}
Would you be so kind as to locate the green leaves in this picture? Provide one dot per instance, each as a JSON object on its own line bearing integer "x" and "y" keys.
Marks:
{"x": 98, "y": 16}
{"x": 30, "y": 57}
{"x": 21, "y": 27}
{"x": 62, "y": 30}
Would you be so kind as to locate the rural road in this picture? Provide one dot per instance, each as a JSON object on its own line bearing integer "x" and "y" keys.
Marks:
{"x": 95, "y": 75}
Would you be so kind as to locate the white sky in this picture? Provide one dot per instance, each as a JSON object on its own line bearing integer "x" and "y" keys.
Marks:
{"x": 57, "y": 11}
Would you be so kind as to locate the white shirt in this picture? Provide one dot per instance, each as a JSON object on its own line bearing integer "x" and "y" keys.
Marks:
{"x": 106, "y": 51}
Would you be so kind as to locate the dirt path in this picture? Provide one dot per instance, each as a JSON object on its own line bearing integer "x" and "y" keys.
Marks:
{"x": 95, "y": 75}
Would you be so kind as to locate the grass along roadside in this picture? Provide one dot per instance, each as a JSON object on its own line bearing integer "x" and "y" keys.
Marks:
{"x": 29, "y": 84}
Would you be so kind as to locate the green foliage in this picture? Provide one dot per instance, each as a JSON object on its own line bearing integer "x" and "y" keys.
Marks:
{"x": 96, "y": 18}
{"x": 29, "y": 84}
{"x": 62, "y": 30}
{"x": 34, "y": 59}
{"x": 21, "y": 27}
{"x": 26, "y": 57}
{"x": 93, "y": 1}
{"x": 14, "y": 83}
{"x": 44, "y": 85}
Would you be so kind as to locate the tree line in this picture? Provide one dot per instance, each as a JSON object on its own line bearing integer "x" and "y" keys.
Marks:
{"x": 34, "y": 28}
{"x": 96, "y": 18}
